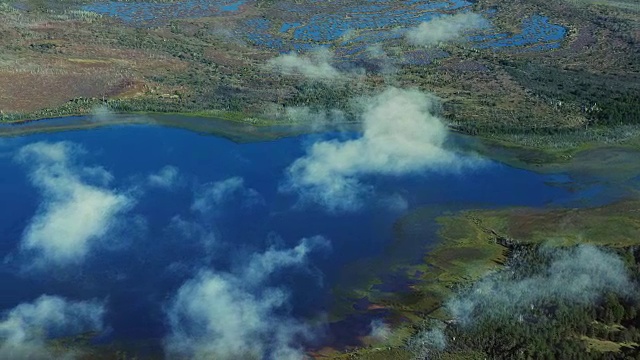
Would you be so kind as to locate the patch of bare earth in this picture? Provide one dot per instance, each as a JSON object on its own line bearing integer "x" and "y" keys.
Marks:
{"x": 28, "y": 92}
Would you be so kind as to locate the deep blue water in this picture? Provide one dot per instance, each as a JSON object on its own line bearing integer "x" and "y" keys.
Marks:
{"x": 139, "y": 277}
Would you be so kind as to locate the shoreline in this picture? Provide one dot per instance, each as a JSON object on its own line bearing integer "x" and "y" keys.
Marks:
{"x": 473, "y": 243}
{"x": 544, "y": 160}
{"x": 215, "y": 123}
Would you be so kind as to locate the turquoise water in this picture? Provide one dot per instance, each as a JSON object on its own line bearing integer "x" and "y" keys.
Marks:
{"x": 145, "y": 264}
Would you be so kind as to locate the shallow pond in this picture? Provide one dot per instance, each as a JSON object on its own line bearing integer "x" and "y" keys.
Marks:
{"x": 326, "y": 23}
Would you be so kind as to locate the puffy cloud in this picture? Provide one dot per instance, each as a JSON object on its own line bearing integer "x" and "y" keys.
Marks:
{"x": 401, "y": 135}
{"x": 315, "y": 65}
{"x": 445, "y": 28}
{"x": 77, "y": 211}
{"x": 25, "y": 329}
{"x": 211, "y": 196}
{"x": 580, "y": 275}
{"x": 237, "y": 315}
{"x": 167, "y": 178}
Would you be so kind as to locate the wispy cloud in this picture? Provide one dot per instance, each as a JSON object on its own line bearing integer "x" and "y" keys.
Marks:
{"x": 315, "y": 65}
{"x": 394, "y": 202}
{"x": 426, "y": 343}
{"x": 386, "y": 63}
{"x": 237, "y": 314}
{"x": 25, "y": 329}
{"x": 211, "y": 202}
{"x": 579, "y": 275}
{"x": 195, "y": 233}
{"x": 445, "y": 28}
{"x": 316, "y": 118}
{"x": 313, "y": 118}
{"x": 401, "y": 135}
{"x": 380, "y": 331}
{"x": 213, "y": 195}
{"x": 101, "y": 114}
{"x": 166, "y": 178}
{"x": 78, "y": 208}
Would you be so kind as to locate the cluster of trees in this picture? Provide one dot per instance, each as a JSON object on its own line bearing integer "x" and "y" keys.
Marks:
{"x": 521, "y": 127}
{"x": 603, "y": 99}
{"x": 551, "y": 328}
{"x": 557, "y": 331}
{"x": 623, "y": 109}
{"x": 323, "y": 95}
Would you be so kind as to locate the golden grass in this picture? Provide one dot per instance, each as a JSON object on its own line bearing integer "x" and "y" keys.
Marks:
{"x": 614, "y": 225}
{"x": 26, "y": 92}
{"x": 600, "y": 345}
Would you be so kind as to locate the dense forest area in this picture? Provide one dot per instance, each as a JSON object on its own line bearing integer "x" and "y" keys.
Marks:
{"x": 604, "y": 99}
{"x": 551, "y": 327}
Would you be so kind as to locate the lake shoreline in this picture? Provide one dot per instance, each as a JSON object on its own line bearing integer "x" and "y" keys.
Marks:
{"x": 541, "y": 159}
{"x": 199, "y": 122}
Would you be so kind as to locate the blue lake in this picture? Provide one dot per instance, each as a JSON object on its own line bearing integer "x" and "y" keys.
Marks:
{"x": 138, "y": 276}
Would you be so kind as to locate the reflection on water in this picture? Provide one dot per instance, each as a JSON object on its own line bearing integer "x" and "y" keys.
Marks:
{"x": 169, "y": 240}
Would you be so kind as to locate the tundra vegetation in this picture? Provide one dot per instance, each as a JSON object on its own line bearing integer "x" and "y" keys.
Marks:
{"x": 518, "y": 77}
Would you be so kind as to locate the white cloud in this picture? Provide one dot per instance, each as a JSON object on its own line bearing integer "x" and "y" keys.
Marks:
{"x": 445, "y": 28}
{"x": 167, "y": 178}
{"x": 401, "y": 135}
{"x": 25, "y": 329}
{"x": 211, "y": 196}
{"x": 74, "y": 214}
{"x": 315, "y": 65}
{"x": 580, "y": 275}
{"x": 237, "y": 315}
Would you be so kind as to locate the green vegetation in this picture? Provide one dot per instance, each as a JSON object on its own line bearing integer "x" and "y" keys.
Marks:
{"x": 615, "y": 225}
{"x": 555, "y": 102}
{"x": 475, "y": 243}
{"x": 604, "y": 99}
{"x": 555, "y": 328}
